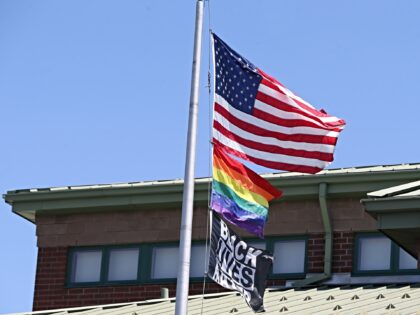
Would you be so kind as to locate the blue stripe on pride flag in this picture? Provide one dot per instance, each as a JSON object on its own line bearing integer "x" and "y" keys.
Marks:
{"x": 234, "y": 214}
{"x": 245, "y": 205}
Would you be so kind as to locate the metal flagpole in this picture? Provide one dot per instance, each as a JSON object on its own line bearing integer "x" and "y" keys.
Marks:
{"x": 188, "y": 196}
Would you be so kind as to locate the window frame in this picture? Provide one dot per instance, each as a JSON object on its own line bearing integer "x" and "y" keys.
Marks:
{"x": 144, "y": 271}
{"x": 270, "y": 242}
{"x": 394, "y": 268}
{"x": 103, "y": 275}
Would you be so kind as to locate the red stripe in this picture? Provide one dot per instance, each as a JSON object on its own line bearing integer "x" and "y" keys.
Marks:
{"x": 271, "y": 82}
{"x": 271, "y": 164}
{"x": 278, "y": 104}
{"x": 269, "y": 133}
{"x": 245, "y": 171}
{"x": 337, "y": 123}
{"x": 327, "y": 157}
{"x": 285, "y": 122}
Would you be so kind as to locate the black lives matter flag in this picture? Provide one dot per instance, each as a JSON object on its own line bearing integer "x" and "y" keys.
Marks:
{"x": 237, "y": 266}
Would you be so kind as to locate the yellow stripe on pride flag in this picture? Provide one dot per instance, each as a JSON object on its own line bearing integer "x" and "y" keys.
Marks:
{"x": 244, "y": 180}
{"x": 222, "y": 177}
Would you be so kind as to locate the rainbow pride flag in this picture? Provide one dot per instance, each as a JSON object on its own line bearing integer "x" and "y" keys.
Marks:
{"x": 240, "y": 195}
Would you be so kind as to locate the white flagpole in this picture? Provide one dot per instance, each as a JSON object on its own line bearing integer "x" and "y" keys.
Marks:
{"x": 188, "y": 196}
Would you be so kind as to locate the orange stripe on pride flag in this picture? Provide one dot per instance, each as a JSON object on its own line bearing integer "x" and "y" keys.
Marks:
{"x": 244, "y": 175}
{"x": 243, "y": 180}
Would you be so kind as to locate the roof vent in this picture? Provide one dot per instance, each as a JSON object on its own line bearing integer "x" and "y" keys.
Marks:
{"x": 390, "y": 306}
{"x": 330, "y": 298}
{"x": 283, "y": 298}
{"x": 406, "y": 296}
{"x": 283, "y": 309}
{"x": 337, "y": 307}
{"x": 307, "y": 298}
{"x": 234, "y": 310}
{"x": 355, "y": 297}
{"x": 380, "y": 296}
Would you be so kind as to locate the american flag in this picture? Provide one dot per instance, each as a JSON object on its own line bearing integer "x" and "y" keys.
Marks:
{"x": 258, "y": 119}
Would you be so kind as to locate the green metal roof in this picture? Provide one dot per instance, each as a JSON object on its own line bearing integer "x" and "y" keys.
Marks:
{"x": 339, "y": 300}
{"x": 354, "y": 181}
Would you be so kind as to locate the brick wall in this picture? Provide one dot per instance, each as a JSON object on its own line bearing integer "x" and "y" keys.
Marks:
{"x": 341, "y": 256}
{"x": 140, "y": 226}
{"x": 50, "y": 290}
{"x": 51, "y": 293}
{"x": 57, "y": 232}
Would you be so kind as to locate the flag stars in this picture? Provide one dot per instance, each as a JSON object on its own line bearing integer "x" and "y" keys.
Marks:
{"x": 236, "y": 81}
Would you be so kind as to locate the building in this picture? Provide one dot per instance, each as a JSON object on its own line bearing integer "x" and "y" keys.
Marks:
{"x": 107, "y": 244}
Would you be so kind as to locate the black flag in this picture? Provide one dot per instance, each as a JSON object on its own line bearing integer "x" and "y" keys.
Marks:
{"x": 237, "y": 266}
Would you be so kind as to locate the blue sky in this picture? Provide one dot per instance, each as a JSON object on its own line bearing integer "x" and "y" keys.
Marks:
{"x": 97, "y": 91}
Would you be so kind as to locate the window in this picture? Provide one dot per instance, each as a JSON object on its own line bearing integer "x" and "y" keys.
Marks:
{"x": 101, "y": 265}
{"x": 165, "y": 262}
{"x": 199, "y": 261}
{"x": 123, "y": 264}
{"x": 406, "y": 261}
{"x": 151, "y": 263}
{"x": 377, "y": 254}
{"x": 289, "y": 256}
{"x": 86, "y": 266}
{"x": 257, "y": 244}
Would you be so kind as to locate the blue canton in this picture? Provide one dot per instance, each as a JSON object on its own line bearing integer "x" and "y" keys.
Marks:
{"x": 237, "y": 79}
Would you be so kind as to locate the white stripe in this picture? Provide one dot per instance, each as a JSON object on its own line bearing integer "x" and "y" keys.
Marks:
{"x": 289, "y": 100}
{"x": 267, "y": 156}
{"x": 283, "y": 114}
{"x": 325, "y": 148}
{"x": 270, "y": 126}
{"x": 291, "y": 94}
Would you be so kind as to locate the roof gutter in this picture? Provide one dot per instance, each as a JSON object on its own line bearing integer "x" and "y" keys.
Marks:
{"x": 322, "y": 197}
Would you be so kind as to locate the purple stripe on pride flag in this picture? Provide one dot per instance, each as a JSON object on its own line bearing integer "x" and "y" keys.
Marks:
{"x": 234, "y": 214}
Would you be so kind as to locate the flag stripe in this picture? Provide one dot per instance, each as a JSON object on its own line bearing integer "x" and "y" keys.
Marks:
{"x": 271, "y": 164}
{"x": 257, "y": 145}
{"x": 241, "y": 191}
{"x": 234, "y": 214}
{"x": 244, "y": 204}
{"x": 264, "y": 155}
{"x": 300, "y": 134}
{"x": 222, "y": 122}
{"x": 256, "y": 180}
{"x": 281, "y": 108}
{"x": 271, "y": 83}
{"x": 244, "y": 180}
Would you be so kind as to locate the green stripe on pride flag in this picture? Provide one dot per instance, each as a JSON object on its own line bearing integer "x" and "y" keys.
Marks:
{"x": 245, "y": 205}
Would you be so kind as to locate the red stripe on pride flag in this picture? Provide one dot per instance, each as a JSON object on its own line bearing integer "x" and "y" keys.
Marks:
{"x": 241, "y": 169}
